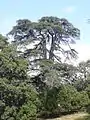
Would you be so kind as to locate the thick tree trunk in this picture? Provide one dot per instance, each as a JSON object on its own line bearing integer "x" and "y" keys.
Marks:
{"x": 51, "y": 56}
{"x": 44, "y": 49}
{"x": 44, "y": 46}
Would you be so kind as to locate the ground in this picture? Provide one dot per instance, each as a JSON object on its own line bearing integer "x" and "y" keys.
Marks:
{"x": 77, "y": 116}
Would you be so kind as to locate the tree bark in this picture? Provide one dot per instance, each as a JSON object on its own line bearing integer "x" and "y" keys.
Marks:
{"x": 44, "y": 46}
{"x": 51, "y": 57}
{"x": 44, "y": 49}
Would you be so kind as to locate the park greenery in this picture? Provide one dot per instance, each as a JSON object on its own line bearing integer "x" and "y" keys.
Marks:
{"x": 57, "y": 88}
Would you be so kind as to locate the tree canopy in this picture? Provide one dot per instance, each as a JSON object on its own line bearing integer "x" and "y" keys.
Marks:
{"x": 48, "y": 31}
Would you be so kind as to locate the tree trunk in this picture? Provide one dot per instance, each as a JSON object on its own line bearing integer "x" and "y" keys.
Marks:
{"x": 44, "y": 49}
{"x": 51, "y": 57}
{"x": 44, "y": 46}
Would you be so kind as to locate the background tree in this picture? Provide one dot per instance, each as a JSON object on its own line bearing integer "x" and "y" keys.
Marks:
{"x": 49, "y": 35}
{"x": 48, "y": 31}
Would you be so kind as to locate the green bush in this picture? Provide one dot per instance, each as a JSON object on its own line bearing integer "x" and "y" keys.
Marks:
{"x": 70, "y": 100}
{"x": 9, "y": 113}
{"x": 17, "y": 101}
{"x": 63, "y": 100}
{"x": 27, "y": 112}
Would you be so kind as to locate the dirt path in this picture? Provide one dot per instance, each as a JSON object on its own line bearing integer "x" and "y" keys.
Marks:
{"x": 71, "y": 117}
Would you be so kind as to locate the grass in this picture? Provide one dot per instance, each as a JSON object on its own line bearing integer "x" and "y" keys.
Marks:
{"x": 77, "y": 116}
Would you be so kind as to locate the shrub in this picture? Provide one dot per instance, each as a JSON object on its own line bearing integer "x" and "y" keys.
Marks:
{"x": 28, "y": 111}
{"x": 70, "y": 100}
{"x": 63, "y": 100}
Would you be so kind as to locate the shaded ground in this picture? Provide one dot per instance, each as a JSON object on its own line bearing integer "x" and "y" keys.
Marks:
{"x": 78, "y": 116}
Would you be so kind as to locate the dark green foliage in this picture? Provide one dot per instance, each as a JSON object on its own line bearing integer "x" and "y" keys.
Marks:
{"x": 3, "y": 42}
{"x": 27, "y": 112}
{"x": 17, "y": 100}
{"x": 63, "y": 100}
{"x": 11, "y": 66}
{"x": 9, "y": 113}
{"x": 16, "y": 95}
{"x": 71, "y": 100}
{"x": 88, "y": 90}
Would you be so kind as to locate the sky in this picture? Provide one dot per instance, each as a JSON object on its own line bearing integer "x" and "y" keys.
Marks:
{"x": 75, "y": 11}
